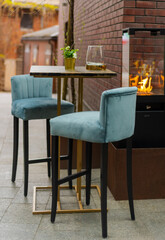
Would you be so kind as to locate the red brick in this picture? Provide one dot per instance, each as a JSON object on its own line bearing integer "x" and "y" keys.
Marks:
{"x": 161, "y": 4}
{"x": 145, "y": 19}
{"x": 155, "y": 12}
{"x": 146, "y": 4}
{"x": 128, "y": 19}
{"x": 130, "y": 11}
{"x": 154, "y": 26}
{"x": 128, "y": 3}
{"x": 160, "y": 20}
{"x": 133, "y": 25}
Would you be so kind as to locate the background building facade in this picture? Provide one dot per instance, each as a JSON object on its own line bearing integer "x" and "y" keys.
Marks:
{"x": 15, "y": 21}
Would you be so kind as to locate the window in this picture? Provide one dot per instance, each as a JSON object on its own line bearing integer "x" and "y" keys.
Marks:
{"x": 27, "y": 21}
{"x": 35, "y": 55}
{"x": 48, "y": 55}
{"x": 27, "y": 58}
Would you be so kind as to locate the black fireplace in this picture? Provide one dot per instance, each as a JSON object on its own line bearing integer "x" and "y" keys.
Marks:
{"x": 143, "y": 66}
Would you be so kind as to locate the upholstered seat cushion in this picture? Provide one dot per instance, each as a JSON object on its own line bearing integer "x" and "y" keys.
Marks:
{"x": 81, "y": 125}
{"x": 39, "y": 108}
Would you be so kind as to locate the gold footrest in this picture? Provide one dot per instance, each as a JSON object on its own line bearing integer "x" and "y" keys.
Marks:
{"x": 59, "y": 210}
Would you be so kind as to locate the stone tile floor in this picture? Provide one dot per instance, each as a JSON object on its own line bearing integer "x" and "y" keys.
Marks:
{"x": 17, "y": 220}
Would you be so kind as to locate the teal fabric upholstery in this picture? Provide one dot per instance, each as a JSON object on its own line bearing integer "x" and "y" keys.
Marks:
{"x": 117, "y": 113}
{"x": 26, "y": 86}
{"x": 39, "y": 108}
{"x": 115, "y": 120}
{"x": 32, "y": 98}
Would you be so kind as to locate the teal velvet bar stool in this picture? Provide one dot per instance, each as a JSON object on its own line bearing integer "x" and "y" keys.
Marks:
{"x": 32, "y": 99}
{"x": 114, "y": 122}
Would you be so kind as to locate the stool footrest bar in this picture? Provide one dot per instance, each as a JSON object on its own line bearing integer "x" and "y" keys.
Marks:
{"x": 64, "y": 157}
{"x": 71, "y": 177}
{"x": 48, "y": 159}
{"x": 59, "y": 209}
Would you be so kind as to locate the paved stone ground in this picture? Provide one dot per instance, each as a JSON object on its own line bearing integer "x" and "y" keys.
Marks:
{"x": 17, "y": 221}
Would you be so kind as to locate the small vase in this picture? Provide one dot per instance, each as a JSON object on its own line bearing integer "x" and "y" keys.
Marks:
{"x": 69, "y": 63}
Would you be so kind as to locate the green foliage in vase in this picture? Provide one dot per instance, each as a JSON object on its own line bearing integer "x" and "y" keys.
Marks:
{"x": 68, "y": 52}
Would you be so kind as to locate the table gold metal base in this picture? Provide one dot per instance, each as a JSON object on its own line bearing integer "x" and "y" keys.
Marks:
{"x": 59, "y": 72}
{"x": 59, "y": 210}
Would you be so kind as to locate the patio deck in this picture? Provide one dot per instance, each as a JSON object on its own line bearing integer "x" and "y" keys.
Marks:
{"x": 16, "y": 218}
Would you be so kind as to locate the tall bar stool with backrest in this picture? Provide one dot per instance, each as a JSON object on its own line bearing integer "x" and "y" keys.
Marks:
{"x": 115, "y": 121}
{"x": 32, "y": 99}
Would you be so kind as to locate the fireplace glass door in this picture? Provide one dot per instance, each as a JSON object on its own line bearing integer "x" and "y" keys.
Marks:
{"x": 143, "y": 53}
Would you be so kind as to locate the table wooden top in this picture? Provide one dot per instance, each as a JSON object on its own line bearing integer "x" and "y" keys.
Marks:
{"x": 59, "y": 71}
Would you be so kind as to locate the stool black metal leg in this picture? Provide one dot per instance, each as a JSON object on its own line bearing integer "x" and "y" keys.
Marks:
{"x": 104, "y": 159}
{"x": 15, "y": 147}
{"x": 26, "y": 155}
{"x": 54, "y": 177}
{"x": 70, "y": 153}
{"x": 129, "y": 177}
{"x": 88, "y": 167}
{"x": 48, "y": 143}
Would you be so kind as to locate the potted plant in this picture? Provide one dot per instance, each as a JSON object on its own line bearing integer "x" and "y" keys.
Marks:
{"x": 70, "y": 56}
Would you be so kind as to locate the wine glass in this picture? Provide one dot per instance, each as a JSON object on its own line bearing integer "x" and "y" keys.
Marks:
{"x": 94, "y": 58}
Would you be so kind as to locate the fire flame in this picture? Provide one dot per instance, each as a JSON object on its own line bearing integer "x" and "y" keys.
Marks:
{"x": 144, "y": 77}
{"x": 144, "y": 88}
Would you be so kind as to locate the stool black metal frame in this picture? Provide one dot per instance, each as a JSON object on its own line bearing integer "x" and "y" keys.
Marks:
{"x": 104, "y": 159}
{"x": 26, "y": 152}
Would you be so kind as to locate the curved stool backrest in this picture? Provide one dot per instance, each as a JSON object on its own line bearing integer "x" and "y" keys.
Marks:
{"x": 26, "y": 86}
{"x": 117, "y": 113}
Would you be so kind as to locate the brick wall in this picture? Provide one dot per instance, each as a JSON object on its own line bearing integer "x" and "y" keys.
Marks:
{"x": 101, "y": 22}
{"x": 144, "y": 13}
